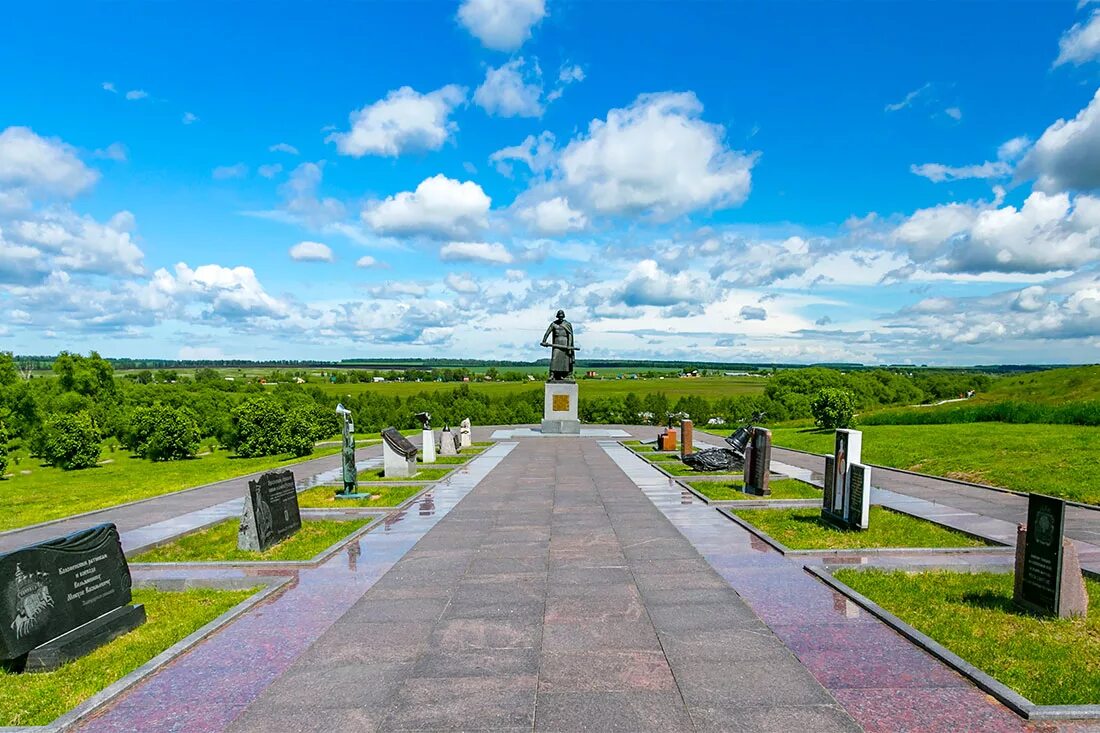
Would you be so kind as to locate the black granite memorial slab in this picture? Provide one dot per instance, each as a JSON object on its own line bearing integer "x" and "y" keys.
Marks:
{"x": 398, "y": 442}
{"x": 53, "y": 587}
{"x": 857, "y": 486}
{"x": 271, "y": 511}
{"x": 829, "y": 497}
{"x": 759, "y": 457}
{"x": 1040, "y": 585}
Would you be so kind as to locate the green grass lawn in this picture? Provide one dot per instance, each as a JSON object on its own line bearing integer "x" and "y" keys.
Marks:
{"x": 804, "y": 529}
{"x": 1049, "y": 661}
{"x": 1059, "y": 460}
{"x": 671, "y": 463}
{"x": 49, "y": 493}
{"x": 219, "y": 543}
{"x": 784, "y": 488}
{"x": 673, "y": 387}
{"x": 448, "y": 460}
{"x": 38, "y": 698}
{"x": 424, "y": 474}
{"x": 323, "y": 497}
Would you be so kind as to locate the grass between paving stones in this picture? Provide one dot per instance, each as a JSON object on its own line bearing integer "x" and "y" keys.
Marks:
{"x": 32, "y": 498}
{"x": 677, "y": 468}
{"x": 447, "y": 460}
{"x": 784, "y": 488}
{"x": 38, "y": 698}
{"x": 1049, "y": 661}
{"x": 804, "y": 529}
{"x": 219, "y": 543}
{"x": 1059, "y": 460}
{"x": 424, "y": 474}
{"x": 384, "y": 495}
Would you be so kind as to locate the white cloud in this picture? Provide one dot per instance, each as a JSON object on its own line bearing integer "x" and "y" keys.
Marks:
{"x": 439, "y": 206}
{"x": 283, "y": 148}
{"x": 1014, "y": 148}
{"x": 536, "y": 153}
{"x": 114, "y": 151}
{"x": 908, "y": 100}
{"x": 189, "y": 118}
{"x": 463, "y": 284}
{"x": 656, "y": 156}
{"x": 109, "y": 87}
{"x": 938, "y": 173}
{"x": 136, "y": 94}
{"x": 38, "y": 164}
{"x": 753, "y": 313}
{"x": 227, "y": 292}
{"x": 554, "y": 216}
{"x": 514, "y": 275}
{"x": 367, "y": 262}
{"x": 648, "y": 284}
{"x": 490, "y": 253}
{"x": 69, "y": 241}
{"x": 1081, "y": 43}
{"x": 502, "y": 25}
{"x": 954, "y": 113}
{"x": 393, "y": 289}
{"x": 568, "y": 74}
{"x": 311, "y": 252}
{"x": 505, "y": 92}
{"x": 270, "y": 171}
{"x": 227, "y": 172}
{"x": 404, "y": 121}
{"x": 1067, "y": 154}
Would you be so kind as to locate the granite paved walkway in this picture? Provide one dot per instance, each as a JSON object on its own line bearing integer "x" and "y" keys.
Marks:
{"x": 555, "y": 596}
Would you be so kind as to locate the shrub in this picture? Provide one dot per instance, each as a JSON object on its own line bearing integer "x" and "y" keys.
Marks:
{"x": 257, "y": 428}
{"x": 162, "y": 433}
{"x": 833, "y": 408}
{"x": 70, "y": 441}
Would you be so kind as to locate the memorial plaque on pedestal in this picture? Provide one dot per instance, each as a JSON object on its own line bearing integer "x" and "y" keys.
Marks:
{"x": 758, "y": 462}
{"x": 54, "y": 587}
{"x": 270, "y": 511}
{"x": 398, "y": 454}
{"x": 829, "y": 497}
{"x": 1042, "y": 561}
{"x": 859, "y": 496}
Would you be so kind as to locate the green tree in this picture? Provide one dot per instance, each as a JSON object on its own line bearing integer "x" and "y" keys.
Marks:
{"x": 9, "y": 372}
{"x": 257, "y": 428}
{"x": 3, "y": 449}
{"x": 162, "y": 433}
{"x": 833, "y": 408}
{"x": 299, "y": 430}
{"x": 71, "y": 441}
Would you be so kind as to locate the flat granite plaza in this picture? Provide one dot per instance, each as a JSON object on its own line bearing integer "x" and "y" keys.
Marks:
{"x": 552, "y": 582}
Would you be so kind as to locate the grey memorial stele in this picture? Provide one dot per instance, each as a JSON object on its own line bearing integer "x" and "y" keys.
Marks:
{"x": 398, "y": 454}
{"x": 347, "y": 451}
{"x": 271, "y": 512}
{"x": 448, "y": 444}
{"x": 62, "y": 598}
{"x": 560, "y": 401}
{"x": 465, "y": 438}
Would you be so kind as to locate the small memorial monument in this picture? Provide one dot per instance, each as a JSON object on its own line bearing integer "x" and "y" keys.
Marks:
{"x": 347, "y": 451}
{"x": 560, "y": 399}
{"x": 398, "y": 455}
{"x": 859, "y": 496}
{"x": 666, "y": 440}
{"x": 63, "y": 598}
{"x": 465, "y": 434}
{"x": 270, "y": 512}
{"x": 687, "y": 438}
{"x": 847, "y": 450}
{"x": 448, "y": 445}
{"x": 1048, "y": 571}
{"x": 758, "y": 461}
{"x": 427, "y": 437}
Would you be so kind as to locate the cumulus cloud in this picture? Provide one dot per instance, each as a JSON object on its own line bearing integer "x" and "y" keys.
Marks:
{"x": 568, "y": 74}
{"x": 1081, "y": 43}
{"x": 367, "y": 262}
{"x": 270, "y": 171}
{"x": 754, "y": 263}
{"x": 648, "y": 284}
{"x": 135, "y": 94}
{"x": 311, "y": 252}
{"x": 41, "y": 165}
{"x": 397, "y": 289}
{"x": 66, "y": 240}
{"x": 491, "y": 253}
{"x": 228, "y": 172}
{"x": 508, "y": 92}
{"x": 283, "y": 148}
{"x": 536, "y": 153}
{"x": 224, "y": 292}
{"x": 502, "y": 25}
{"x": 656, "y": 156}
{"x": 954, "y": 113}
{"x": 1067, "y": 155}
{"x": 404, "y": 121}
{"x": 109, "y": 87}
{"x": 440, "y": 207}
{"x": 752, "y": 313}
{"x": 554, "y": 216}
{"x": 463, "y": 284}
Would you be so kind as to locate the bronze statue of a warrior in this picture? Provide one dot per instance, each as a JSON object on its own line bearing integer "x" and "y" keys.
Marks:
{"x": 559, "y": 339}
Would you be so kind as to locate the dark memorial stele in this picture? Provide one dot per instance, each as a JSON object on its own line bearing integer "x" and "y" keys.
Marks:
{"x": 1042, "y": 562}
{"x": 858, "y": 497}
{"x": 398, "y": 442}
{"x": 829, "y": 497}
{"x": 270, "y": 511}
{"x": 64, "y": 597}
{"x": 758, "y": 460}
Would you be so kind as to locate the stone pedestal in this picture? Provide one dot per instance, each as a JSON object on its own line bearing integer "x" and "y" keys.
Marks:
{"x": 1073, "y": 599}
{"x": 687, "y": 440}
{"x": 447, "y": 443}
{"x": 398, "y": 455}
{"x": 666, "y": 440}
{"x": 427, "y": 446}
{"x": 559, "y": 414}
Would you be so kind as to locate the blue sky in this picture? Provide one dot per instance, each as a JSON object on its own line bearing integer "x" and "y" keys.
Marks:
{"x": 875, "y": 182}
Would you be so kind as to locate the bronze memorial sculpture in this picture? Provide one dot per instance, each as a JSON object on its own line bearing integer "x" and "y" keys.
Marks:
{"x": 559, "y": 338}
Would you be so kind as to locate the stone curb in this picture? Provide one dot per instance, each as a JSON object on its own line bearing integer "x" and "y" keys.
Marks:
{"x": 784, "y": 550}
{"x": 1012, "y": 699}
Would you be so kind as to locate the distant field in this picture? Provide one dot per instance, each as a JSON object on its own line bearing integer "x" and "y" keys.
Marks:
{"x": 673, "y": 387}
{"x": 1055, "y": 385}
{"x": 1052, "y": 459}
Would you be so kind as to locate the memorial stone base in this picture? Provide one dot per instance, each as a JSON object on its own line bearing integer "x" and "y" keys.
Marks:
{"x": 560, "y": 409}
